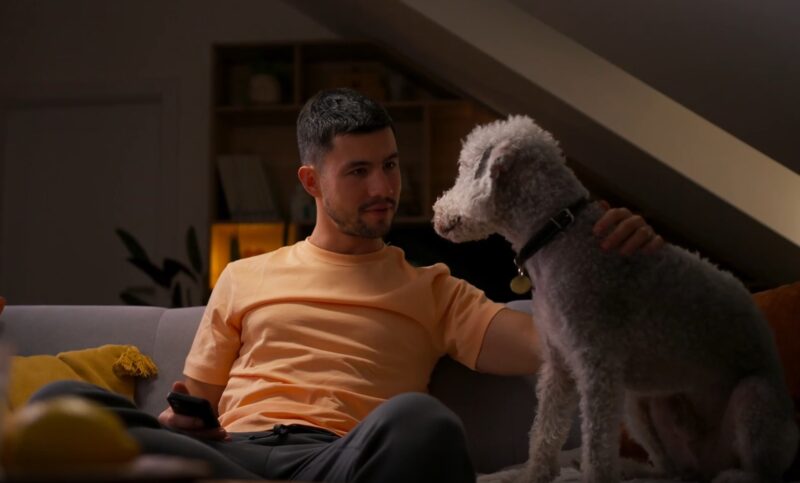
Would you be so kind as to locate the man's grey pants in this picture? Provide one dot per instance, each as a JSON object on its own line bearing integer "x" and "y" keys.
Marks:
{"x": 410, "y": 438}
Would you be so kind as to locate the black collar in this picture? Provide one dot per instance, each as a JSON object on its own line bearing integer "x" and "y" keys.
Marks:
{"x": 553, "y": 227}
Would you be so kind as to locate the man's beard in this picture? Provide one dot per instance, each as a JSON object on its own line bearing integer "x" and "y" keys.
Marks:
{"x": 356, "y": 226}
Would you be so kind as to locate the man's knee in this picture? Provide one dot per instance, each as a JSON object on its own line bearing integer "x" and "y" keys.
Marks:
{"x": 119, "y": 404}
{"x": 419, "y": 417}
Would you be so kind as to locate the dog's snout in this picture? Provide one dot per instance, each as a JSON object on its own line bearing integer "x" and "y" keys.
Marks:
{"x": 445, "y": 225}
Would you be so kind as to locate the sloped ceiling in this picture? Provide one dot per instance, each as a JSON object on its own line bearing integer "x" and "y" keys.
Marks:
{"x": 733, "y": 62}
{"x": 699, "y": 184}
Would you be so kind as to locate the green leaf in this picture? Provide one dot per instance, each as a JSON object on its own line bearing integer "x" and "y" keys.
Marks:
{"x": 132, "y": 299}
{"x": 172, "y": 267}
{"x": 156, "y": 274}
{"x": 133, "y": 246}
{"x": 177, "y": 300}
{"x": 193, "y": 249}
{"x": 141, "y": 290}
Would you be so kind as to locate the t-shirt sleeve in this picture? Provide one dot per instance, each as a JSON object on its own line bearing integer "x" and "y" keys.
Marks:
{"x": 217, "y": 340}
{"x": 465, "y": 315}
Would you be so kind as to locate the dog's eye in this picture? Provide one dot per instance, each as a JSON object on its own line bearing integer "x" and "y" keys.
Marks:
{"x": 482, "y": 163}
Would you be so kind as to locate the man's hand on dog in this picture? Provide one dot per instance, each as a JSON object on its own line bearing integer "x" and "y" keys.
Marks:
{"x": 626, "y": 232}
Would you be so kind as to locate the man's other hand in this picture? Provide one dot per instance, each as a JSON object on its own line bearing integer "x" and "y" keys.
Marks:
{"x": 626, "y": 232}
{"x": 189, "y": 425}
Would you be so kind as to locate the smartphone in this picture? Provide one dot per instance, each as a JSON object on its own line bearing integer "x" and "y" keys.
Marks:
{"x": 193, "y": 406}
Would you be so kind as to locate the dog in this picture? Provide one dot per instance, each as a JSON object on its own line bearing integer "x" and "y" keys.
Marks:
{"x": 666, "y": 341}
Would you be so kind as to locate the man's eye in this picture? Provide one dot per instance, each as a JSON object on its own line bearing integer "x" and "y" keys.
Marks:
{"x": 390, "y": 164}
{"x": 359, "y": 171}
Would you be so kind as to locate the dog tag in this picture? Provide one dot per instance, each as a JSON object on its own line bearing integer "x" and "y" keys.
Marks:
{"x": 520, "y": 284}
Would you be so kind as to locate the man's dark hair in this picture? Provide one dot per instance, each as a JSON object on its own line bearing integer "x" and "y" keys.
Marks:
{"x": 332, "y": 112}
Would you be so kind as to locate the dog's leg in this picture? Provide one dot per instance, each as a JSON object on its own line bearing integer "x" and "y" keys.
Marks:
{"x": 766, "y": 436}
{"x": 639, "y": 423}
{"x": 558, "y": 399}
{"x": 601, "y": 389}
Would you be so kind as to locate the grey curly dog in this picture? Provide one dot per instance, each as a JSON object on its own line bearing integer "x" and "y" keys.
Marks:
{"x": 665, "y": 341}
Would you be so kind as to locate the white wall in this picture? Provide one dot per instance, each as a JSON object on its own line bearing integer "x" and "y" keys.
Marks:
{"x": 113, "y": 53}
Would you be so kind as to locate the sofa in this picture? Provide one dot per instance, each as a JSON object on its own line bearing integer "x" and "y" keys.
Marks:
{"x": 497, "y": 411}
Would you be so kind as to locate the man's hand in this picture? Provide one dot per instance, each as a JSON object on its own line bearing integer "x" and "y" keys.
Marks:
{"x": 625, "y": 232}
{"x": 188, "y": 424}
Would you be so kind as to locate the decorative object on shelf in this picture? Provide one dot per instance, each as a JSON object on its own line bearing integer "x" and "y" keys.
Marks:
{"x": 265, "y": 83}
{"x": 264, "y": 89}
{"x": 247, "y": 187}
{"x": 167, "y": 276}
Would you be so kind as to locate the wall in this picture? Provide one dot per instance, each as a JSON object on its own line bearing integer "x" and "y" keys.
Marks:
{"x": 146, "y": 66}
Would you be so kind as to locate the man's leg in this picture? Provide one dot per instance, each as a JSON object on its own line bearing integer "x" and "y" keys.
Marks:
{"x": 151, "y": 436}
{"x": 411, "y": 437}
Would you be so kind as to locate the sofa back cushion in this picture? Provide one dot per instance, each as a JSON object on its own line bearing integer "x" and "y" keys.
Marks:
{"x": 496, "y": 411}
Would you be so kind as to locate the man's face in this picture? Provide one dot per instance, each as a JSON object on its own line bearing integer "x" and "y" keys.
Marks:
{"x": 360, "y": 183}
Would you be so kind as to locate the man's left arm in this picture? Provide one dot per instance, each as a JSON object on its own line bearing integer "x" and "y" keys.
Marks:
{"x": 512, "y": 345}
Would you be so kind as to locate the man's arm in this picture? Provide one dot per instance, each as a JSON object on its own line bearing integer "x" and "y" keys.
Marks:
{"x": 212, "y": 392}
{"x": 188, "y": 424}
{"x": 511, "y": 345}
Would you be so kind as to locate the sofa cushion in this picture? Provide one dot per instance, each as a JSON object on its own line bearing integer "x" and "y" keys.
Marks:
{"x": 50, "y": 329}
{"x": 781, "y": 307}
{"x": 114, "y": 367}
{"x": 174, "y": 336}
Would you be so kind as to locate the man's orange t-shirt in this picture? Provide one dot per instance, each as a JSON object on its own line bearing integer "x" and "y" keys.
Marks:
{"x": 303, "y": 335}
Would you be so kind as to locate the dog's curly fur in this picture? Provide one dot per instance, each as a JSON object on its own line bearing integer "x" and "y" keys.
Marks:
{"x": 666, "y": 341}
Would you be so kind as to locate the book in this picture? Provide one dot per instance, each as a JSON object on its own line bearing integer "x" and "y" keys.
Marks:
{"x": 246, "y": 185}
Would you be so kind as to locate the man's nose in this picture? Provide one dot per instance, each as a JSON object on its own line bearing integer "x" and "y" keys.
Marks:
{"x": 381, "y": 184}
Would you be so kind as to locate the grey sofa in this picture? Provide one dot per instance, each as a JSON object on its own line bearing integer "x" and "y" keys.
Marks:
{"x": 496, "y": 411}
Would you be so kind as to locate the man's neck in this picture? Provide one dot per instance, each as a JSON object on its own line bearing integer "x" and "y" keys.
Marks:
{"x": 343, "y": 243}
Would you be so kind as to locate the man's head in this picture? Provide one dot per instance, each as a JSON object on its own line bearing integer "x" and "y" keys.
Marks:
{"x": 350, "y": 163}
{"x": 333, "y": 112}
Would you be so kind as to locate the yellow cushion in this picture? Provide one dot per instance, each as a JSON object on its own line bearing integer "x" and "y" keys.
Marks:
{"x": 114, "y": 367}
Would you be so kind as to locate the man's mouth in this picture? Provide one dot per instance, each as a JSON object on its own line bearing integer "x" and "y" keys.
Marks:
{"x": 380, "y": 206}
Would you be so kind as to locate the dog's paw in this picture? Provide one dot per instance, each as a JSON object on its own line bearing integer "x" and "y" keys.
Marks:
{"x": 538, "y": 474}
{"x": 506, "y": 475}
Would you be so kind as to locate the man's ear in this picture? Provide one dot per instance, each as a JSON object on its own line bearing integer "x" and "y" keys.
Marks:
{"x": 309, "y": 178}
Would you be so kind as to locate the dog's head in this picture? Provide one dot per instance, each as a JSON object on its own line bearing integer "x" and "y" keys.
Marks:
{"x": 495, "y": 169}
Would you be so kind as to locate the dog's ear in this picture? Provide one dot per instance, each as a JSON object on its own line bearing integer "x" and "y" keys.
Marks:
{"x": 500, "y": 159}
{"x": 499, "y": 166}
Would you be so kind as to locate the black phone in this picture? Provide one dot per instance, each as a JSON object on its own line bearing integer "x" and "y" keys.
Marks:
{"x": 193, "y": 406}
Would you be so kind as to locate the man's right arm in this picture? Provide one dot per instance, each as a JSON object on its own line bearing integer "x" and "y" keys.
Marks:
{"x": 212, "y": 392}
{"x": 188, "y": 424}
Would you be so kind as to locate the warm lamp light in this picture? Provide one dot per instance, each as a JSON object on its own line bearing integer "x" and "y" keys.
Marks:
{"x": 232, "y": 241}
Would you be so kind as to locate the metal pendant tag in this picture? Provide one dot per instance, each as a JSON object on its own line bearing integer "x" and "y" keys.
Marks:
{"x": 520, "y": 284}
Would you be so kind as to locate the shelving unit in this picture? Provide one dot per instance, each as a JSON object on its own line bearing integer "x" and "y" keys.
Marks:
{"x": 259, "y": 89}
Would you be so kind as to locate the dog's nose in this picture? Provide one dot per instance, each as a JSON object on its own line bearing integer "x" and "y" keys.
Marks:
{"x": 450, "y": 225}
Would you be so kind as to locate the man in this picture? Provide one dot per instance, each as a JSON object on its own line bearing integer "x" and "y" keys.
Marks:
{"x": 339, "y": 333}
{"x": 317, "y": 356}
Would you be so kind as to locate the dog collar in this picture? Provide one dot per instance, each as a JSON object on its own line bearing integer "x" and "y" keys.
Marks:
{"x": 555, "y": 225}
